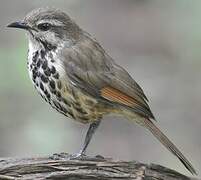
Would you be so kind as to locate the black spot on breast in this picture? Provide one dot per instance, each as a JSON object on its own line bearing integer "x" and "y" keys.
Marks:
{"x": 52, "y": 84}
{"x": 42, "y": 53}
{"x": 42, "y": 96}
{"x": 47, "y": 94}
{"x": 57, "y": 104}
{"x": 41, "y": 86}
{"x": 35, "y": 57}
{"x": 35, "y": 69}
{"x": 53, "y": 70}
{"x": 44, "y": 65}
{"x": 53, "y": 91}
{"x": 43, "y": 78}
{"x": 33, "y": 77}
{"x": 34, "y": 72}
{"x": 58, "y": 94}
{"x": 56, "y": 76}
{"x": 45, "y": 99}
{"x": 38, "y": 63}
{"x": 45, "y": 91}
{"x": 47, "y": 72}
{"x": 34, "y": 80}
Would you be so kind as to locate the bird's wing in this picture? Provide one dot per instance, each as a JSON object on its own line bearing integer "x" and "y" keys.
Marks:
{"x": 92, "y": 70}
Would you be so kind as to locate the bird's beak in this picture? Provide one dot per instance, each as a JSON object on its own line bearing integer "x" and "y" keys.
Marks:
{"x": 18, "y": 24}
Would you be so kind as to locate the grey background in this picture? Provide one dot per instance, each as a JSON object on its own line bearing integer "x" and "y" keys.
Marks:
{"x": 158, "y": 42}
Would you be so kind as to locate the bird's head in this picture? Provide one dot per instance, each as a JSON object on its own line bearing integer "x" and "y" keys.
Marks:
{"x": 48, "y": 27}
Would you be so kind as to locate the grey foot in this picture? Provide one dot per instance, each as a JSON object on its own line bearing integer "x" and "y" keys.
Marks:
{"x": 77, "y": 156}
{"x": 66, "y": 156}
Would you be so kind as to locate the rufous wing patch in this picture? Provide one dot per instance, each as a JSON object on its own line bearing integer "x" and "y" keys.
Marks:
{"x": 115, "y": 95}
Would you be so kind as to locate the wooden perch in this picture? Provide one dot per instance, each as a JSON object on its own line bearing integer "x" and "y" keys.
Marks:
{"x": 88, "y": 168}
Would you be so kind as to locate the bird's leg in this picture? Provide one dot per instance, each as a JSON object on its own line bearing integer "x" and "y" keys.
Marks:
{"x": 92, "y": 128}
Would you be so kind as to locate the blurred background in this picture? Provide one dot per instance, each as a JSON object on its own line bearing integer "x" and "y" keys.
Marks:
{"x": 158, "y": 42}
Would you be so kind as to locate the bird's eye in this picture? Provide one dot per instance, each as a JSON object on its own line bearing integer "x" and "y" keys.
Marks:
{"x": 44, "y": 26}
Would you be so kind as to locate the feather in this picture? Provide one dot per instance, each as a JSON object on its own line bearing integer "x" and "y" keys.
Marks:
{"x": 115, "y": 95}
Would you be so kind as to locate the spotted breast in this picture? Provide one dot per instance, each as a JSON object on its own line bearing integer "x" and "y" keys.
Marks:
{"x": 50, "y": 80}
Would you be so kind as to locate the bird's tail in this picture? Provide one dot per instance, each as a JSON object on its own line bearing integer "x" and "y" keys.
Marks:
{"x": 168, "y": 144}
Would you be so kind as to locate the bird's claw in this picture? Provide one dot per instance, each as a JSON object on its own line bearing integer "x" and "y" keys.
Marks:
{"x": 77, "y": 156}
{"x": 66, "y": 156}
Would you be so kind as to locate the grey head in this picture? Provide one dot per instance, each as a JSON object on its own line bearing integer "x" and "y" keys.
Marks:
{"x": 48, "y": 27}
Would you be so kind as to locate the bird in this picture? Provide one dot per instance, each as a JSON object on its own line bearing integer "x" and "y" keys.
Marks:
{"x": 77, "y": 77}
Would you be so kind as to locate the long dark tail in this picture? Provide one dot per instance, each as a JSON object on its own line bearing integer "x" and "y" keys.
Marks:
{"x": 168, "y": 144}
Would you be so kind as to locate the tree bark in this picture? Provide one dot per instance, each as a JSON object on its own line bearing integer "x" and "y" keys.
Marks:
{"x": 87, "y": 168}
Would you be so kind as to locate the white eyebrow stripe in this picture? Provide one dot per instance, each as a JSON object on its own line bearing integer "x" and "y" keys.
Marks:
{"x": 52, "y": 21}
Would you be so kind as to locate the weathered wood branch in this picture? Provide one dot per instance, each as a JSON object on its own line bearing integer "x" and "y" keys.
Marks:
{"x": 89, "y": 168}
